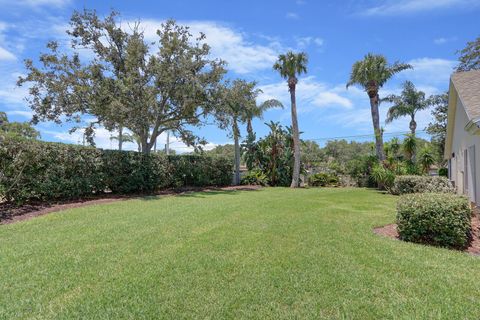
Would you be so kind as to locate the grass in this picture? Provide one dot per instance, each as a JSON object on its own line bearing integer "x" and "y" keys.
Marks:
{"x": 268, "y": 254}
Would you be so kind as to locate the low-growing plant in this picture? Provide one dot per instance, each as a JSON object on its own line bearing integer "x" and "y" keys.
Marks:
{"x": 384, "y": 177}
{"x": 421, "y": 184}
{"x": 254, "y": 177}
{"x": 323, "y": 179}
{"x": 438, "y": 219}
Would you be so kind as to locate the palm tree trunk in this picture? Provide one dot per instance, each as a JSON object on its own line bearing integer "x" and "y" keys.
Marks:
{"x": 236, "y": 180}
{"x": 296, "y": 140}
{"x": 120, "y": 137}
{"x": 376, "y": 127}
{"x": 413, "y": 127}
{"x": 249, "y": 126}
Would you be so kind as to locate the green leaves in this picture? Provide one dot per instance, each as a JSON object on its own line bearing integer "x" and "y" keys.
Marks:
{"x": 35, "y": 170}
{"x": 291, "y": 65}
{"x": 438, "y": 219}
{"x": 129, "y": 82}
{"x": 373, "y": 72}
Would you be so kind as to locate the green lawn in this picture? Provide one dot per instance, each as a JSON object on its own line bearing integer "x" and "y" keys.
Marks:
{"x": 267, "y": 254}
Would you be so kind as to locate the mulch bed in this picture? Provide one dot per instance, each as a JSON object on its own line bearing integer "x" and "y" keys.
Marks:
{"x": 390, "y": 231}
{"x": 10, "y": 213}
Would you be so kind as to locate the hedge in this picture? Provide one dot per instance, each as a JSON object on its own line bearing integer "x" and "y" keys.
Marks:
{"x": 36, "y": 170}
{"x": 421, "y": 184}
{"x": 439, "y": 219}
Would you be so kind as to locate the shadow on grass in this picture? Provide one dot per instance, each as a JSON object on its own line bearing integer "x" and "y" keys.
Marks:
{"x": 201, "y": 193}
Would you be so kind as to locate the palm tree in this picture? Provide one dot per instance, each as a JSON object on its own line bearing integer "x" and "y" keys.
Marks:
{"x": 291, "y": 65}
{"x": 409, "y": 146}
{"x": 371, "y": 74}
{"x": 426, "y": 159}
{"x": 408, "y": 103}
{"x": 257, "y": 111}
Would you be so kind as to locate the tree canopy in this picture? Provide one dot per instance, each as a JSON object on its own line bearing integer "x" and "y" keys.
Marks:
{"x": 470, "y": 56}
{"x": 146, "y": 87}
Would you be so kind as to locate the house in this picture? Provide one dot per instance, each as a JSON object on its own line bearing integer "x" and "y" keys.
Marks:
{"x": 462, "y": 144}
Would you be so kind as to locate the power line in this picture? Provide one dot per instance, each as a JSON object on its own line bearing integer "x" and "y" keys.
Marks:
{"x": 363, "y": 135}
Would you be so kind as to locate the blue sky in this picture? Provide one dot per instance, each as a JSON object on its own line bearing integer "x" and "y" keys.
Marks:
{"x": 249, "y": 35}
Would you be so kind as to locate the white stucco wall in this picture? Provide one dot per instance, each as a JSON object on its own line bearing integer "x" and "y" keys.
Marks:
{"x": 462, "y": 141}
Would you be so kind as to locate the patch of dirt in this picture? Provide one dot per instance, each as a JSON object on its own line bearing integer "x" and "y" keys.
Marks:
{"x": 10, "y": 213}
{"x": 390, "y": 231}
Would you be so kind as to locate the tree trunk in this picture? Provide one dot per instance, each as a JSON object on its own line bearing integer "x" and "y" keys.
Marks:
{"x": 296, "y": 137}
{"x": 167, "y": 145}
{"x": 249, "y": 126}
{"x": 376, "y": 127}
{"x": 236, "y": 180}
{"x": 413, "y": 126}
{"x": 120, "y": 138}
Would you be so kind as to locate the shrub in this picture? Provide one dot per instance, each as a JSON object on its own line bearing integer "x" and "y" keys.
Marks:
{"x": 254, "y": 177}
{"x": 384, "y": 177}
{"x": 443, "y": 172}
{"x": 35, "y": 170}
{"x": 438, "y": 219}
{"x": 323, "y": 179}
{"x": 199, "y": 171}
{"x": 421, "y": 184}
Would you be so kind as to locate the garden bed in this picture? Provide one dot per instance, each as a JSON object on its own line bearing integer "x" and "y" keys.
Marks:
{"x": 390, "y": 231}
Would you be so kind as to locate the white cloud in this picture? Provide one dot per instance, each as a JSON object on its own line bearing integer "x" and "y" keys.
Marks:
{"x": 396, "y": 7}
{"x": 22, "y": 113}
{"x": 443, "y": 40}
{"x": 231, "y": 45}
{"x": 103, "y": 140}
{"x": 310, "y": 94}
{"x": 303, "y": 42}
{"x": 36, "y": 3}
{"x": 6, "y": 55}
{"x": 432, "y": 71}
{"x": 292, "y": 16}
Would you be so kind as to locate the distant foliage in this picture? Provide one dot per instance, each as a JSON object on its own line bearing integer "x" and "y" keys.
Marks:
{"x": 435, "y": 218}
{"x": 34, "y": 170}
{"x": 422, "y": 184}
{"x": 273, "y": 155}
{"x": 324, "y": 179}
{"x": 255, "y": 177}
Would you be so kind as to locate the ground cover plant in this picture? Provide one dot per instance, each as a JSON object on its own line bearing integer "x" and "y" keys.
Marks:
{"x": 268, "y": 254}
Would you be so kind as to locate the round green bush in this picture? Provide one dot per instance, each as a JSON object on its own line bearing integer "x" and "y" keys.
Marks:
{"x": 439, "y": 219}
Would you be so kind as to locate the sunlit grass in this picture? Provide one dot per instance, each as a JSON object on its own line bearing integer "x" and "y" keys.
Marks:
{"x": 272, "y": 253}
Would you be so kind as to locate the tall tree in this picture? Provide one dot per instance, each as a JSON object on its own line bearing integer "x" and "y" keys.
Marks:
{"x": 407, "y": 104}
{"x": 147, "y": 88}
{"x": 438, "y": 128}
{"x": 470, "y": 56}
{"x": 235, "y": 98}
{"x": 291, "y": 65}
{"x": 371, "y": 74}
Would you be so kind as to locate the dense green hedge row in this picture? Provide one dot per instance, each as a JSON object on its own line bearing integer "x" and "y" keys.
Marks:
{"x": 421, "y": 184}
{"x": 440, "y": 219}
{"x": 33, "y": 170}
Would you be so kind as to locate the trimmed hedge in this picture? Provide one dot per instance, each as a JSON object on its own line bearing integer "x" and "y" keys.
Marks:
{"x": 439, "y": 219}
{"x": 421, "y": 184}
{"x": 36, "y": 170}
